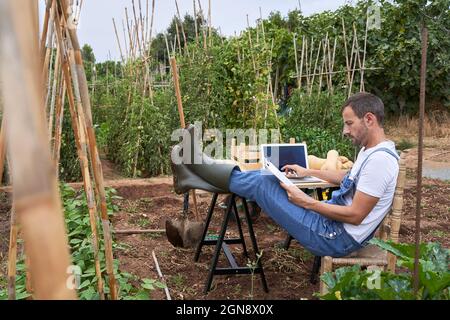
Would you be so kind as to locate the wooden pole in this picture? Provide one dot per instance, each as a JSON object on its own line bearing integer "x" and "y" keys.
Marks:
{"x": 12, "y": 256}
{"x": 297, "y": 70}
{"x": 2, "y": 147}
{"x": 95, "y": 160}
{"x": 301, "y": 62}
{"x": 347, "y": 64}
{"x": 173, "y": 63}
{"x": 118, "y": 41}
{"x": 80, "y": 142}
{"x": 209, "y": 24}
{"x": 423, "y": 74}
{"x": 364, "y": 54}
{"x": 35, "y": 191}
{"x": 195, "y": 23}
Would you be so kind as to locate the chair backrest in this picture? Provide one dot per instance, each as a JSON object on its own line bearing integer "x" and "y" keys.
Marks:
{"x": 390, "y": 227}
{"x": 248, "y": 156}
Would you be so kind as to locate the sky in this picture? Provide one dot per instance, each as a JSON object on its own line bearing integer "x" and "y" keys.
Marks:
{"x": 96, "y": 28}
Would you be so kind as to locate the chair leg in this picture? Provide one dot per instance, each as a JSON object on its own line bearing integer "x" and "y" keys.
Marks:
{"x": 239, "y": 225}
{"x": 287, "y": 242}
{"x": 255, "y": 245}
{"x": 392, "y": 260}
{"x": 326, "y": 266}
{"x": 219, "y": 244}
{"x": 315, "y": 270}
{"x": 205, "y": 229}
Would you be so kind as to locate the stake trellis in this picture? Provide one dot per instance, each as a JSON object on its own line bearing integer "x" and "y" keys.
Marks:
{"x": 68, "y": 78}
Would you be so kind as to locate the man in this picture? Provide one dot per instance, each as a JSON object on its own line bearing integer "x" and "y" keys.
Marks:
{"x": 347, "y": 221}
{"x": 335, "y": 227}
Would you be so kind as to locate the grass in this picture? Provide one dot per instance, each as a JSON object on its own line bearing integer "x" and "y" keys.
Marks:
{"x": 143, "y": 222}
{"x": 434, "y": 125}
{"x": 405, "y": 144}
{"x": 438, "y": 233}
{"x": 178, "y": 281}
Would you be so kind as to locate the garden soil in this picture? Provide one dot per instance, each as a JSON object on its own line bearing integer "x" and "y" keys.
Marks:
{"x": 147, "y": 203}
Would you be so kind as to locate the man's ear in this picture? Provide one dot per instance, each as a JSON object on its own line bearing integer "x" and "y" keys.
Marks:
{"x": 370, "y": 119}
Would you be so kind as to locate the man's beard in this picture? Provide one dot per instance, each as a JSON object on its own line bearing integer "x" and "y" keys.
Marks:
{"x": 360, "y": 140}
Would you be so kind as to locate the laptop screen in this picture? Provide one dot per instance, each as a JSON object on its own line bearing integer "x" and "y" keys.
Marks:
{"x": 281, "y": 155}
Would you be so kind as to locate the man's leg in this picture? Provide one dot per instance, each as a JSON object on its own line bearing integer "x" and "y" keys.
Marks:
{"x": 266, "y": 191}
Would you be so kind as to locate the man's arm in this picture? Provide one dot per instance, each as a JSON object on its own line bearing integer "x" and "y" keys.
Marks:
{"x": 354, "y": 214}
{"x": 333, "y": 176}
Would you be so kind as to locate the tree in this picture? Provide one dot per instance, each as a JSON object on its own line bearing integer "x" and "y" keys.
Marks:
{"x": 88, "y": 54}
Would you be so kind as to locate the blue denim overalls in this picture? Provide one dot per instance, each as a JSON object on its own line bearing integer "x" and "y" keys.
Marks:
{"x": 320, "y": 235}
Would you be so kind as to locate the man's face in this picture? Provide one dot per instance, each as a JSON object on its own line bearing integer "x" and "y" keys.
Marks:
{"x": 354, "y": 128}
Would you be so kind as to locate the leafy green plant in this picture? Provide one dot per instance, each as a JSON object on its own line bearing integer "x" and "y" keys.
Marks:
{"x": 79, "y": 237}
{"x": 434, "y": 276}
{"x": 404, "y": 144}
{"x": 317, "y": 120}
{"x": 253, "y": 265}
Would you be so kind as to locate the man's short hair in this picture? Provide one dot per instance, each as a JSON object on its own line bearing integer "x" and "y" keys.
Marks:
{"x": 364, "y": 102}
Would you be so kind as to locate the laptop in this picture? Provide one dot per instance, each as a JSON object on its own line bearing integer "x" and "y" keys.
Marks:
{"x": 281, "y": 154}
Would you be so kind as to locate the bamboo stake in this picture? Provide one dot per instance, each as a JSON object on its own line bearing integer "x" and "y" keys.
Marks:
{"x": 53, "y": 95}
{"x": 138, "y": 231}
{"x": 2, "y": 146}
{"x": 166, "y": 290}
{"x": 203, "y": 27}
{"x": 346, "y": 52}
{"x": 301, "y": 63}
{"x": 125, "y": 41}
{"x": 251, "y": 45}
{"x": 352, "y": 64}
{"x": 46, "y": 23}
{"x": 297, "y": 70}
{"x": 422, "y": 100}
{"x": 80, "y": 141}
{"x": 178, "y": 38}
{"x": 129, "y": 33}
{"x": 195, "y": 23}
{"x": 59, "y": 124}
{"x": 96, "y": 164}
{"x": 12, "y": 247}
{"x": 182, "y": 28}
{"x": 35, "y": 196}
{"x": 12, "y": 256}
{"x": 136, "y": 25}
{"x": 322, "y": 66}
{"x": 118, "y": 41}
{"x": 209, "y": 24}
{"x": 332, "y": 64}
{"x": 173, "y": 63}
{"x": 361, "y": 88}
{"x": 306, "y": 63}
{"x": 315, "y": 67}
{"x": 49, "y": 75}
{"x": 151, "y": 27}
{"x": 310, "y": 65}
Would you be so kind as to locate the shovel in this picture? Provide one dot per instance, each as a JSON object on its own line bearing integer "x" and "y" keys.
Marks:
{"x": 182, "y": 232}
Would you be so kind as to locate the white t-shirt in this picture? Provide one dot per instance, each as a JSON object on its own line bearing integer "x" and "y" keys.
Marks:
{"x": 378, "y": 179}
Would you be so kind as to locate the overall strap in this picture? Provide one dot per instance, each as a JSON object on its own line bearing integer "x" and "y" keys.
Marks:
{"x": 365, "y": 160}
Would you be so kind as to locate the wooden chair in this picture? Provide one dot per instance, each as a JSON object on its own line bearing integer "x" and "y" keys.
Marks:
{"x": 371, "y": 255}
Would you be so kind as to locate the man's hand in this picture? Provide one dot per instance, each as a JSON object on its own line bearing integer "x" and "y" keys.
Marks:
{"x": 294, "y": 170}
{"x": 298, "y": 197}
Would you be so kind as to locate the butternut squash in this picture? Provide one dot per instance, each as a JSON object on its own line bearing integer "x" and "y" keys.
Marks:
{"x": 315, "y": 162}
{"x": 332, "y": 161}
{"x": 343, "y": 159}
{"x": 347, "y": 165}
